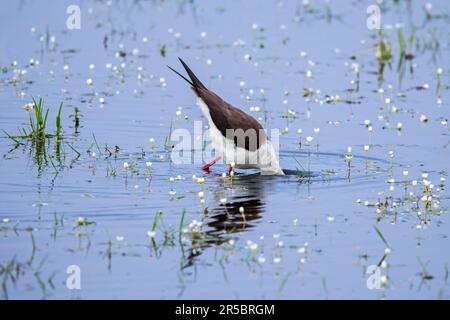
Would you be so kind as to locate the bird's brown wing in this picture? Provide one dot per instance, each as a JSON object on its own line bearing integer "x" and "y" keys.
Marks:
{"x": 226, "y": 117}
{"x": 248, "y": 133}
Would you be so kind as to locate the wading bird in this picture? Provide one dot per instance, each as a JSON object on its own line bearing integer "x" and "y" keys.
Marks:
{"x": 238, "y": 138}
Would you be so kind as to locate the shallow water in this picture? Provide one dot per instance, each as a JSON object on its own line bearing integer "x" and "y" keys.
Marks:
{"x": 333, "y": 211}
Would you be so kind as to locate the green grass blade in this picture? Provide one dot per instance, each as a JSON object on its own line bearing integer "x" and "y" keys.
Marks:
{"x": 381, "y": 236}
{"x": 180, "y": 228}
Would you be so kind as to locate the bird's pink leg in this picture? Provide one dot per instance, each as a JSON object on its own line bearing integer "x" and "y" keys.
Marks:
{"x": 212, "y": 162}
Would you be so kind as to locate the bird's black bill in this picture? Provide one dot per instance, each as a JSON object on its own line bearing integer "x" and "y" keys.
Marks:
{"x": 181, "y": 76}
{"x": 196, "y": 83}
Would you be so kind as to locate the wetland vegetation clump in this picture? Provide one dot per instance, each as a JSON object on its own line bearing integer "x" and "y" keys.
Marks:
{"x": 38, "y": 137}
{"x": 36, "y": 131}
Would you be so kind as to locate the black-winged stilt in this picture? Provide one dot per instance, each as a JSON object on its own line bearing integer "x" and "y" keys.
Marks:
{"x": 238, "y": 137}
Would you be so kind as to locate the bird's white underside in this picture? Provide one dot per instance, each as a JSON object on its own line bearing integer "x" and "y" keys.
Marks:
{"x": 264, "y": 158}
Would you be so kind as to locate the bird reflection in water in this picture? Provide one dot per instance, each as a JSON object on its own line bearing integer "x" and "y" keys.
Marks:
{"x": 226, "y": 219}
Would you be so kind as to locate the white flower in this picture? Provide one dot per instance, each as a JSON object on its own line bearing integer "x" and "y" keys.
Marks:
{"x": 366, "y": 147}
{"x": 126, "y": 165}
{"x": 405, "y": 173}
{"x": 148, "y": 164}
{"x": 223, "y": 200}
{"x": 152, "y": 141}
{"x": 316, "y": 130}
{"x": 261, "y": 259}
{"x": 120, "y": 238}
{"x": 80, "y": 220}
{"x": 195, "y": 227}
{"x": 387, "y": 251}
{"x": 201, "y": 194}
{"x": 309, "y": 139}
{"x": 151, "y": 234}
{"x": 241, "y": 210}
{"x": 89, "y": 82}
{"x": 423, "y": 118}
{"x": 201, "y": 180}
